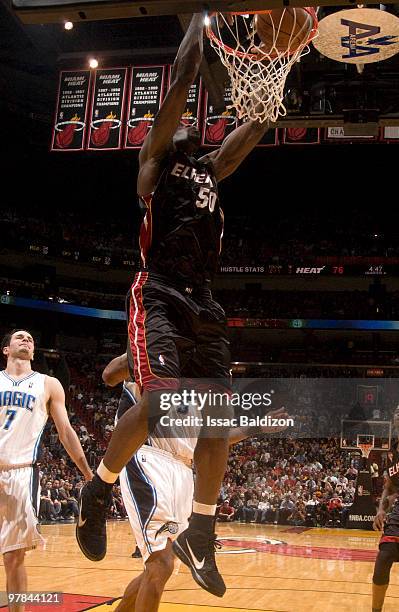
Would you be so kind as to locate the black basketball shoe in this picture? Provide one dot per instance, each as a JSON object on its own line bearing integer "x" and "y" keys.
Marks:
{"x": 196, "y": 549}
{"x": 136, "y": 554}
{"x": 91, "y": 531}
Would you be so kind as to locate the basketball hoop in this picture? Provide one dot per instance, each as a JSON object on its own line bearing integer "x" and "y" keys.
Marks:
{"x": 258, "y": 72}
{"x": 366, "y": 449}
{"x": 365, "y": 443}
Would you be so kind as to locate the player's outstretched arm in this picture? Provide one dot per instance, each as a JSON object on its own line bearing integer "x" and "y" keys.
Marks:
{"x": 66, "y": 434}
{"x": 388, "y": 495}
{"x": 235, "y": 148}
{"x": 158, "y": 139}
{"x": 116, "y": 371}
{"x": 241, "y": 433}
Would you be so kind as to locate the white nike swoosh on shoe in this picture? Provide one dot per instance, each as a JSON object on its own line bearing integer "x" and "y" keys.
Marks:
{"x": 197, "y": 564}
{"x": 81, "y": 523}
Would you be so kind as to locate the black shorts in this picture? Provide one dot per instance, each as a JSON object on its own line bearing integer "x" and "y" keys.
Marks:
{"x": 391, "y": 528}
{"x": 174, "y": 332}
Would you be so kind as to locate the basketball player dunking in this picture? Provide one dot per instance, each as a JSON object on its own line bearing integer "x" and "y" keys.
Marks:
{"x": 26, "y": 400}
{"x": 157, "y": 488}
{"x": 172, "y": 310}
{"x": 387, "y": 519}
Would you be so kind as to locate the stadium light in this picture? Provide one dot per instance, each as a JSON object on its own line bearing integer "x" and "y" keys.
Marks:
{"x": 93, "y": 63}
{"x": 68, "y": 25}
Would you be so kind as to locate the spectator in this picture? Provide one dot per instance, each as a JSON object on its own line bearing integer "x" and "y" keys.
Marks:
{"x": 225, "y": 512}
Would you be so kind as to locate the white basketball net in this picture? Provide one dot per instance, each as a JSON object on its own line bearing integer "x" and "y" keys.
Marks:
{"x": 365, "y": 449}
{"x": 257, "y": 74}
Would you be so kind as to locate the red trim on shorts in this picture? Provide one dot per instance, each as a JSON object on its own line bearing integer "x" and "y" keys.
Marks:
{"x": 386, "y": 538}
{"x": 143, "y": 375}
{"x": 145, "y": 236}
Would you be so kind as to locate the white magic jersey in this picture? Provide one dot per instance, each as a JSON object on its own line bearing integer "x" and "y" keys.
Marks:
{"x": 23, "y": 416}
{"x": 181, "y": 440}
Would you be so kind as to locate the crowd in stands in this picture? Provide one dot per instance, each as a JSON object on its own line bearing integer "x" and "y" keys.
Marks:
{"x": 302, "y": 482}
{"x": 270, "y": 479}
{"x": 316, "y": 354}
{"x": 308, "y": 304}
{"x": 80, "y": 236}
{"x": 64, "y": 232}
{"x": 269, "y": 304}
{"x": 297, "y": 482}
{"x": 61, "y": 481}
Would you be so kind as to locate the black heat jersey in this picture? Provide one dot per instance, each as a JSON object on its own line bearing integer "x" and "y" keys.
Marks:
{"x": 391, "y": 529}
{"x": 393, "y": 465}
{"x": 181, "y": 233}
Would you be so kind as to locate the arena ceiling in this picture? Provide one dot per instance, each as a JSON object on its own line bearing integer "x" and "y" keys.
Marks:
{"x": 34, "y": 47}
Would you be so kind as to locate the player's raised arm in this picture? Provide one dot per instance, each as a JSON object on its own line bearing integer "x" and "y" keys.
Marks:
{"x": 116, "y": 371}
{"x": 185, "y": 69}
{"x": 66, "y": 434}
{"x": 238, "y": 434}
{"x": 236, "y": 147}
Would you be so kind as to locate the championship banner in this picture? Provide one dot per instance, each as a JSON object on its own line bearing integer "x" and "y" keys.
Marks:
{"x": 145, "y": 97}
{"x": 106, "y": 110}
{"x": 191, "y": 115}
{"x": 390, "y": 134}
{"x": 301, "y": 136}
{"x": 337, "y": 133}
{"x": 218, "y": 125}
{"x": 71, "y": 114}
{"x": 270, "y": 139}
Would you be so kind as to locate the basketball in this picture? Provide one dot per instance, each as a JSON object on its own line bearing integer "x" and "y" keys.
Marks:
{"x": 284, "y": 29}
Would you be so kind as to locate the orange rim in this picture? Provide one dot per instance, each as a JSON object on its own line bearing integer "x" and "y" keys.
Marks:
{"x": 252, "y": 56}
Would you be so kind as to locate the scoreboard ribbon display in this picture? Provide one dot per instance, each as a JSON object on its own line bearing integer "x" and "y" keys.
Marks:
{"x": 71, "y": 114}
{"x": 107, "y": 107}
{"x": 314, "y": 269}
{"x": 145, "y": 98}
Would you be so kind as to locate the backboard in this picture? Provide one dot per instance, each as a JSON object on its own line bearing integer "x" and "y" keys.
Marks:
{"x": 353, "y": 432}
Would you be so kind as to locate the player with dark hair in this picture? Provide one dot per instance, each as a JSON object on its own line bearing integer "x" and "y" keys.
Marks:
{"x": 27, "y": 398}
{"x": 387, "y": 519}
{"x": 173, "y": 317}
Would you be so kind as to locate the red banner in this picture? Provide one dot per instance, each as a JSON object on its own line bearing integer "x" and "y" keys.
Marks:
{"x": 107, "y": 109}
{"x": 146, "y": 93}
{"x": 218, "y": 124}
{"x": 191, "y": 115}
{"x": 301, "y": 136}
{"x": 71, "y": 115}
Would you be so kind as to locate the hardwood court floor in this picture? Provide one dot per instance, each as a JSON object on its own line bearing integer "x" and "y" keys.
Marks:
{"x": 265, "y": 567}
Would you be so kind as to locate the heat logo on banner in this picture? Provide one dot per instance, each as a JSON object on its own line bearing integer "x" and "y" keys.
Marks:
{"x": 218, "y": 125}
{"x": 191, "y": 115}
{"x": 146, "y": 95}
{"x": 70, "y": 120}
{"x": 107, "y": 108}
{"x": 361, "y": 33}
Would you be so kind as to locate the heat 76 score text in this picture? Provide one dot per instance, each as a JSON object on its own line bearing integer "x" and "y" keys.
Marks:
{"x": 331, "y": 269}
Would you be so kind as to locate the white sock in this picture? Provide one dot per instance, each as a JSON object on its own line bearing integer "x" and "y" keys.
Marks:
{"x": 204, "y": 509}
{"x": 105, "y": 474}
